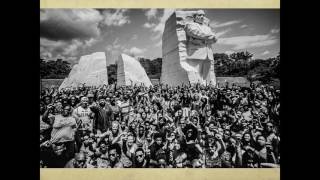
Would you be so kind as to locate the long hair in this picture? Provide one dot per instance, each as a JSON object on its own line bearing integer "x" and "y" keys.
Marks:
{"x": 251, "y": 142}
{"x": 194, "y": 132}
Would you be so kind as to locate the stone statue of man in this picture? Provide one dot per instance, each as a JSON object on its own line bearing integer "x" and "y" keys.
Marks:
{"x": 199, "y": 48}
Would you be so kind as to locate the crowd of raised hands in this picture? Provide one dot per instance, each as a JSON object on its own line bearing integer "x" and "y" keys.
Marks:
{"x": 188, "y": 126}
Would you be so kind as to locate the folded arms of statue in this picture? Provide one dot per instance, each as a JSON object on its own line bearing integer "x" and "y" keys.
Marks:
{"x": 194, "y": 31}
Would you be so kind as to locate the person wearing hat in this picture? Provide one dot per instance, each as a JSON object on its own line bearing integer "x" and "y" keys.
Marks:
{"x": 102, "y": 116}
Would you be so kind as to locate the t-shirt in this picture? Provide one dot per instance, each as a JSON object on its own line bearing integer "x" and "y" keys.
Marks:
{"x": 84, "y": 116}
{"x": 125, "y": 107}
{"x": 63, "y": 129}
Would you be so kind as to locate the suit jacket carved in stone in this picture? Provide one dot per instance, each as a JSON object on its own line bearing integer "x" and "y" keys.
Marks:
{"x": 200, "y": 39}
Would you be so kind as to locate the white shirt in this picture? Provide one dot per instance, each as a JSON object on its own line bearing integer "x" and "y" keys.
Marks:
{"x": 84, "y": 116}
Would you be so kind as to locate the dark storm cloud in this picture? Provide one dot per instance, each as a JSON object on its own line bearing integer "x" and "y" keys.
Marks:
{"x": 69, "y": 24}
{"x": 57, "y": 30}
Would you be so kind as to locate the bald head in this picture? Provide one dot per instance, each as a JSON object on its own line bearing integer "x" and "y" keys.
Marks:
{"x": 84, "y": 102}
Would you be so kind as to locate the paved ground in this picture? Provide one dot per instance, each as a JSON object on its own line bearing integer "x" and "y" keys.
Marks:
{"x": 47, "y": 83}
{"x": 241, "y": 81}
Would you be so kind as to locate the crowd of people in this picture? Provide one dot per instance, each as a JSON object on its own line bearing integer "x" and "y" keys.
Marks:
{"x": 189, "y": 126}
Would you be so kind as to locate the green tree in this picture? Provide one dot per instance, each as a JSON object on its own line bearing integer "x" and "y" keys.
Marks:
{"x": 241, "y": 56}
{"x": 51, "y": 69}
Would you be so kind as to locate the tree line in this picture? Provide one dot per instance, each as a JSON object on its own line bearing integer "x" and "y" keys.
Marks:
{"x": 232, "y": 65}
{"x": 242, "y": 64}
{"x": 51, "y": 69}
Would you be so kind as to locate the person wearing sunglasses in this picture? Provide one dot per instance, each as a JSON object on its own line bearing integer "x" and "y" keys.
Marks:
{"x": 139, "y": 159}
{"x": 114, "y": 153}
{"x": 102, "y": 116}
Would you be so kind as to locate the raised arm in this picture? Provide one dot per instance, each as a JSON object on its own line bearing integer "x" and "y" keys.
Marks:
{"x": 45, "y": 117}
{"x": 116, "y": 139}
{"x": 238, "y": 160}
{"x": 75, "y": 115}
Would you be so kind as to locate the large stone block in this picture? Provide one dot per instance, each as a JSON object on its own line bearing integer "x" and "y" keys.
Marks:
{"x": 130, "y": 72}
{"x": 91, "y": 70}
{"x": 178, "y": 64}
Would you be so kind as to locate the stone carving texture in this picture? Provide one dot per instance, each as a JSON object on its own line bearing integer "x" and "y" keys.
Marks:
{"x": 130, "y": 72}
{"x": 187, "y": 50}
{"x": 91, "y": 70}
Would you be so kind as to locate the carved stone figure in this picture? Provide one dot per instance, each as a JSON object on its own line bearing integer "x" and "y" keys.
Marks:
{"x": 187, "y": 49}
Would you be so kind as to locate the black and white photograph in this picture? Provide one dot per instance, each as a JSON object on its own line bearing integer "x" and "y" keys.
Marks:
{"x": 159, "y": 88}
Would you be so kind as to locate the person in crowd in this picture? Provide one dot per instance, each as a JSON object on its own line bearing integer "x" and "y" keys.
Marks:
{"x": 79, "y": 161}
{"x": 187, "y": 126}
{"x": 102, "y": 116}
{"x": 139, "y": 159}
{"x": 114, "y": 154}
{"x": 63, "y": 128}
{"x": 53, "y": 155}
{"x": 83, "y": 117}
{"x": 215, "y": 148}
{"x": 155, "y": 147}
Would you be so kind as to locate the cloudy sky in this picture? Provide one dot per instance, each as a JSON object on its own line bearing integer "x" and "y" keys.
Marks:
{"x": 71, "y": 33}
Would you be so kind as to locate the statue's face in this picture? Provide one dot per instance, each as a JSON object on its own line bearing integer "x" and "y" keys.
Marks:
{"x": 199, "y": 18}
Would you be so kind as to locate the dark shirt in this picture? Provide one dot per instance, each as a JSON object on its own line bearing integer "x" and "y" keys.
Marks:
{"x": 102, "y": 118}
{"x": 51, "y": 160}
{"x": 144, "y": 164}
{"x": 192, "y": 152}
{"x": 185, "y": 102}
{"x": 153, "y": 150}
